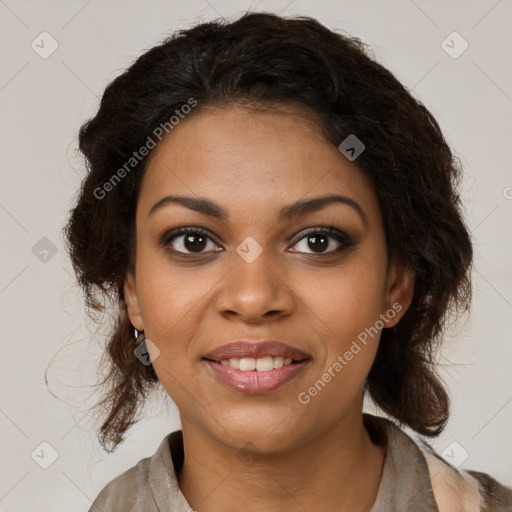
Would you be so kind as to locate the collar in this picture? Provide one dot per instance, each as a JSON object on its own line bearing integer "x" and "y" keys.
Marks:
{"x": 405, "y": 484}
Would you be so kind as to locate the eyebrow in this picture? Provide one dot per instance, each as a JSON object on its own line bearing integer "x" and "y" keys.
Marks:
{"x": 285, "y": 214}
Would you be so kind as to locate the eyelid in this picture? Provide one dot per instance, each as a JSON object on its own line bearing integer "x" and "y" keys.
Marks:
{"x": 168, "y": 235}
{"x": 332, "y": 231}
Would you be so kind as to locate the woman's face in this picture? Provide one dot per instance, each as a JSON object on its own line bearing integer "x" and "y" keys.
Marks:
{"x": 259, "y": 274}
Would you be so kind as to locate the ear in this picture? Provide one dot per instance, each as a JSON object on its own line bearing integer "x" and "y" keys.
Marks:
{"x": 131, "y": 299}
{"x": 399, "y": 293}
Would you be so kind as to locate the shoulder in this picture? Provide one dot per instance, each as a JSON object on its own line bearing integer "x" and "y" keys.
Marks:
{"x": 122, "y": 493}
{"x": 497, "y": 496}
{"x": 467, "y": 490}
{"x": 452, "y": 488}
{"x": 132, "y": 490}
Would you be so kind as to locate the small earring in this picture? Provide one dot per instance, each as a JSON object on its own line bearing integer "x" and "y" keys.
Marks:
{"x": 139, "y": 336}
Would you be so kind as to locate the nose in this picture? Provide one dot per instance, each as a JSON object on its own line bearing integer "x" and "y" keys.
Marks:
{"x": 255, "y": 291}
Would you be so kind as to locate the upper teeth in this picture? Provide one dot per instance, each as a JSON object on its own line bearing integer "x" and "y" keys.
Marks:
{"x": 262, "y": 364}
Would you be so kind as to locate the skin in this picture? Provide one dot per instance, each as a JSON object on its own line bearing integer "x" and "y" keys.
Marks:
{"x": 314, "y": 456}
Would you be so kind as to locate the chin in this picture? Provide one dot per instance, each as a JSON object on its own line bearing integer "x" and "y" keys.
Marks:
{"x": 265, "y": 429}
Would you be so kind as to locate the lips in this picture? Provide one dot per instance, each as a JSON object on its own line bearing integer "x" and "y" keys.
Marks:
{"x": 256, "y": 382}
{"x": 256, "y": 350}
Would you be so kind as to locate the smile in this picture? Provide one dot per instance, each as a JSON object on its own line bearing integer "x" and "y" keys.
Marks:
{"x": 261, "y": 364}
{"x": 256, "y": 376}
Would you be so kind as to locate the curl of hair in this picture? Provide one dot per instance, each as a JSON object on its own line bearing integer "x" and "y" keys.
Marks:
{"x": 259, "y": 61}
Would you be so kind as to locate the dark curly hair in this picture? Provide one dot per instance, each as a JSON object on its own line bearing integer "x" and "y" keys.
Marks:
{"x": 257, "y": 61}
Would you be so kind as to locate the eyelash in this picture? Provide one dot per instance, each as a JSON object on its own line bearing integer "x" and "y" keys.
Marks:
{"x": 342, "y": 238}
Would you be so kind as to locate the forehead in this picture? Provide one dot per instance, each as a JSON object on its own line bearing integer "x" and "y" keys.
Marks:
{"x": 239, "y": 157}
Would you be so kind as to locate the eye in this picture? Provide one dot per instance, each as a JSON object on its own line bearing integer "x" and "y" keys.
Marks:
{"x": 321, "y": 238}
{"x": 194, "y": 240}
{"x": 190, "y": 240}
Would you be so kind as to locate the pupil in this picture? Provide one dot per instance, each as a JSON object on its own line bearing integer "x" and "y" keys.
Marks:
{"x": 317, "y": 244}
{"x": 199, "y": 244}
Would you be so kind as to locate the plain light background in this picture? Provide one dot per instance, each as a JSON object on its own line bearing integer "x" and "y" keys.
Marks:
{"x": 43, "y": 325}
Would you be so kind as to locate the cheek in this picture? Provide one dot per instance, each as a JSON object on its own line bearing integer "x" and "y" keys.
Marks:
{"x": 172, "y": 302}
{"x": 346, "y": 306}
{"x": 173, "y": 305}
{"x": 346, "y": 309}
{"x": 348, "y": 300}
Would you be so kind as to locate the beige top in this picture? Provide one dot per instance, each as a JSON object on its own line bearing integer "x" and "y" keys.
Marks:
{"x": 414, "y": 479}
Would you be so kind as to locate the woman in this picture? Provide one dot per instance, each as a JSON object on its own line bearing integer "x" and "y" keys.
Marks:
{"x": 278, "y": 220}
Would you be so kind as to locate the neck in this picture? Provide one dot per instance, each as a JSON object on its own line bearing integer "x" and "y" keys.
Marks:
{"x": 340, "y": 469}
